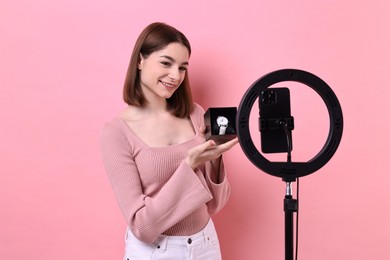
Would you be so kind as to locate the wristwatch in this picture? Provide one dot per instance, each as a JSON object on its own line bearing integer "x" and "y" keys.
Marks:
{"x": 222, "y": 122}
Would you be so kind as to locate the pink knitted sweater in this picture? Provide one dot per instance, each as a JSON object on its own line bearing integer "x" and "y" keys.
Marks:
{"x": 156, "y": 190}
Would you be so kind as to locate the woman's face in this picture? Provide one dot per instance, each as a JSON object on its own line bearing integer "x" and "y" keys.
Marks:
{"x": 163, "y": 71}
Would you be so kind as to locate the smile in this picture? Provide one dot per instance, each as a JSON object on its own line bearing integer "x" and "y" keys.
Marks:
{"x": 168, "y": 85}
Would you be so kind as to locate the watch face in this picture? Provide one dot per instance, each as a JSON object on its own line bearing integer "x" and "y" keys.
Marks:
{"x": 221, "y": 120}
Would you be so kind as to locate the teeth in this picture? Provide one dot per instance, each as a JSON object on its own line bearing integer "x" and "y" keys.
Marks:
{"x": 167, "y": 84}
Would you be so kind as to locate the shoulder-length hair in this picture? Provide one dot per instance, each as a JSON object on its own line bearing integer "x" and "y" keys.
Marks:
{"x": 155, "y": 37}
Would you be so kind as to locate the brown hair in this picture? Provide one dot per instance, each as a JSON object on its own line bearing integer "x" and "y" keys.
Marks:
{"x": 155, "y": 37}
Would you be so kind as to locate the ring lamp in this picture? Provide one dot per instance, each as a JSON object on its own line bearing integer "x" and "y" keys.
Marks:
{"x": 289, "y": 171}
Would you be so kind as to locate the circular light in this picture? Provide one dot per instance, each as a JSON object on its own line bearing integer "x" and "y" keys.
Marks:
{"x": 289, "y": 171}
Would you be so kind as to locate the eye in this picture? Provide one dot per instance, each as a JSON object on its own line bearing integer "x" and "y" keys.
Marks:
{"x": 182, "y": 68}
{"x": 166, "y": 63}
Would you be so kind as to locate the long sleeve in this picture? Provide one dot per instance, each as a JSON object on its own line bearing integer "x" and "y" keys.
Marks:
{"x": 149, "y": 211}
{"x": 215, "y": 177}
{"x": 219, "y": 186}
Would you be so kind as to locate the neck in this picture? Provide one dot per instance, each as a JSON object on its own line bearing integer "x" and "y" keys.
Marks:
{"x": 156, "y": 106}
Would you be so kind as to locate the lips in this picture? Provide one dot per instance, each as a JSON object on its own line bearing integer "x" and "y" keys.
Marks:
{"x": 168, "y": 85}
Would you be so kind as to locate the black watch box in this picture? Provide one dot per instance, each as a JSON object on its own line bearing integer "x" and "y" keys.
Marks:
{"x": 220, "y": 123}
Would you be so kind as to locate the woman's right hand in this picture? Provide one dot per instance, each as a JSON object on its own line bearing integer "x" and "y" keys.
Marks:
{"x": 207, "y": 151}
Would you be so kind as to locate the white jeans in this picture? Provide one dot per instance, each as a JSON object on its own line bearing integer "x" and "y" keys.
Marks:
{"x": 203, "y": 245}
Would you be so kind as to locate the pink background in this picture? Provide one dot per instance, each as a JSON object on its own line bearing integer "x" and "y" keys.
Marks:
{"x": 62, "y": 66}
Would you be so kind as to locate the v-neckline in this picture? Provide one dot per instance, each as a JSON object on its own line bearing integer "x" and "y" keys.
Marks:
{"x": 127, "y": 127}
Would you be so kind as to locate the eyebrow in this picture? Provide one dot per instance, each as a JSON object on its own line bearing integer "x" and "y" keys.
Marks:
{"x": 172, "y": 59}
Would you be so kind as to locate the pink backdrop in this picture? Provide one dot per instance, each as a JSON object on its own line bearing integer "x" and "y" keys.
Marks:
{"x": 62, "y": 66}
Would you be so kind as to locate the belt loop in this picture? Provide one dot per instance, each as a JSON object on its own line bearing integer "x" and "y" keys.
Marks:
{"x": 205, "y": 236}
{"x": 207, "y": 231}
{"x": 161, "y": 243}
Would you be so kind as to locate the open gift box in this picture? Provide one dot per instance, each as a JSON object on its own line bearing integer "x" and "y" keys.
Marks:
{"x": 220, "y": 124}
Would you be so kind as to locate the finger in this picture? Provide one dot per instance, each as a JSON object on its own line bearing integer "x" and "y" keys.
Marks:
{"x": 202, "y": 129}
{"x": 228, "y": 145}
{"x": 207, "y": 145}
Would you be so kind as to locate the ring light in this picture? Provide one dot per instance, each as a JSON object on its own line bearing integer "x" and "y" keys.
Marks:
{"x": 289, "y": 171}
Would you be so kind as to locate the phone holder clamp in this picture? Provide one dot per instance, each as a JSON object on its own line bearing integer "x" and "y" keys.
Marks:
{"x": 276, "y": 123}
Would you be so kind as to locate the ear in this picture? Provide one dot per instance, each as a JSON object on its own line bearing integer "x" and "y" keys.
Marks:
{"x": 141, "y": 61}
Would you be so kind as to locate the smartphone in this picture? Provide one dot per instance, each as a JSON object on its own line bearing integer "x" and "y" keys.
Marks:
{"x": 274, "y": 106}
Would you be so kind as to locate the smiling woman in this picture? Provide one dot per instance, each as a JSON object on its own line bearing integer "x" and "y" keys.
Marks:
{"x": 162, "y": 72}
{"x": 167, "y": 180}
{"x": 63, "y": 65}
{"x": 155, "y": 38}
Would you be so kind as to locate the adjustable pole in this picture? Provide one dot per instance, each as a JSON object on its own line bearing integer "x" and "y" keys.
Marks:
{"x": 290, "y": 206}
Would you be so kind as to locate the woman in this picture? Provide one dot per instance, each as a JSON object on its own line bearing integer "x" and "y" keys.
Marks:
{"x": 167, "y": 180}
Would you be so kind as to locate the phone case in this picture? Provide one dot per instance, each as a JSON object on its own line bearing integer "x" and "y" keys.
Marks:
{"x": 274, "y": 105}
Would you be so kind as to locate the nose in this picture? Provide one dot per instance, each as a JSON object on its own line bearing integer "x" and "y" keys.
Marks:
{"x": 174, "y": 74}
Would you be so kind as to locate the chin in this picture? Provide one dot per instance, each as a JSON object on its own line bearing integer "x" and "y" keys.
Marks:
{"x": 168, "y": 95}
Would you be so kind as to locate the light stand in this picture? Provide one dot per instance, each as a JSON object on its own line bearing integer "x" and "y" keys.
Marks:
{"x": 290, "y": 206}
{"x": 290, "y": 171}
